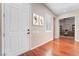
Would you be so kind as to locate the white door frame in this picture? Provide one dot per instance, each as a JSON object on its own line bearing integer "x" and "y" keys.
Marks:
{"x": 3, "y": 27}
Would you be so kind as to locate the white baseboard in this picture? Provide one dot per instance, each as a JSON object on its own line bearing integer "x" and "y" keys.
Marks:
{"x": 77, "y": 40}
{"x": 40, "y": 44}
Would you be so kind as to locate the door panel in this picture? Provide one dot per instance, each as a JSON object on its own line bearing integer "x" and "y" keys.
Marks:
{"x": 16, "y": 26}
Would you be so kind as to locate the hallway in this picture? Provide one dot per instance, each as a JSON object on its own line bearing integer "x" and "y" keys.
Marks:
{"x": 58, "y": 47}
{"x": 36, "y": 27}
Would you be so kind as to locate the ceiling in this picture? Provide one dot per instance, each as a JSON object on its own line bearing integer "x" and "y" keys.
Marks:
{"x": 61, "y": 8}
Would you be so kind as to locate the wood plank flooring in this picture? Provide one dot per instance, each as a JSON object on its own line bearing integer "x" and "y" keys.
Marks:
{"x": 58, "y": 47}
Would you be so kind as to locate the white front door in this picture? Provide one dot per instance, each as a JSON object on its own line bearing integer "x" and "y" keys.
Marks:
{"x": 17, "y": 38}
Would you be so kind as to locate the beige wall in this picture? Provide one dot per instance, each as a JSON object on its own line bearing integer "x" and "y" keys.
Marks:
{"x": 71, "y": 14}
{"x": 39, "y": 36}
{"x": 0, "y": 30}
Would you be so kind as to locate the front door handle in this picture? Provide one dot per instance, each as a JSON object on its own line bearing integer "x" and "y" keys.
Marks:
{"x": 28, "y": 32}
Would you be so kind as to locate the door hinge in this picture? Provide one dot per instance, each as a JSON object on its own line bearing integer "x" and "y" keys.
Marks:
{"x": 4, "y": 34}
{"x": 4, "y": 15}
{"x": 4, "y": 54}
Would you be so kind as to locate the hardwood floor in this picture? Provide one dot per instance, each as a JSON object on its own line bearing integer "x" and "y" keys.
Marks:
{"x": 57, "y": 47}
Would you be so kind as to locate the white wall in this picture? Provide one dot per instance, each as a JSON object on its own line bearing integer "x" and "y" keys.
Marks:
{"x": 39, "y": 36}
{"x": 71, "y": 14}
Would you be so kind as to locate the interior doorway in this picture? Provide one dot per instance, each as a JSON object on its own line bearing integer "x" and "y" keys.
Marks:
{"x": 67, "y": 27}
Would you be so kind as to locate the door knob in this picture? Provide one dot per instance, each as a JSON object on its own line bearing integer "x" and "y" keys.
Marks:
{"x": 28, "y": 32}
